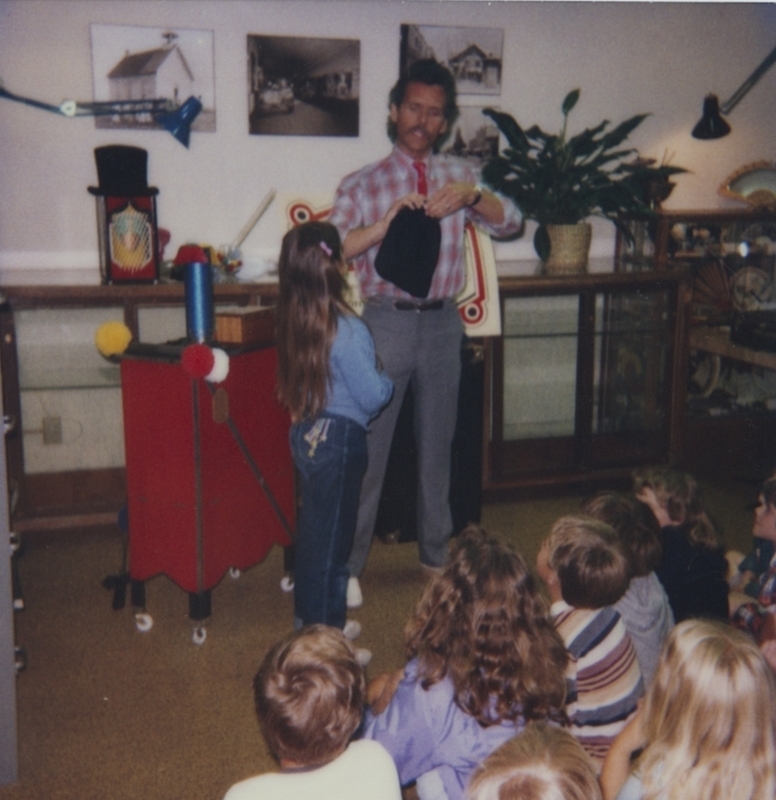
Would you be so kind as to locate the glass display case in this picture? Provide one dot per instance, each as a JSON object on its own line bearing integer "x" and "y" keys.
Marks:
{"x": 731, "y": 389}
{"x": 582, "y": 381}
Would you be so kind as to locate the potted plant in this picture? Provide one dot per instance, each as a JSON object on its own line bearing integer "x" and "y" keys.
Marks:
{"x": 560, "y": 182}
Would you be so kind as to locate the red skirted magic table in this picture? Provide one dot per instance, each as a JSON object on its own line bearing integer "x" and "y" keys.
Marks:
{"x": 210, "y": 480}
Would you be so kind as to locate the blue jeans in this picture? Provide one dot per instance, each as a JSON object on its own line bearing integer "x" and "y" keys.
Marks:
{"x": 330, "y": 457}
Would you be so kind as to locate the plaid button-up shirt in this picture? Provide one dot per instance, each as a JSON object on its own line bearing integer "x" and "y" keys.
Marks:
{"x": 365, "y": 196}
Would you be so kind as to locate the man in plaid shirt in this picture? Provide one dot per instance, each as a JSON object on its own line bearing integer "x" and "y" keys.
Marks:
{"x": 417, "y": 340}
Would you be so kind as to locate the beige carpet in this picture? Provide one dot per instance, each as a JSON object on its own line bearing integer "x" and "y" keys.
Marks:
{"x": 108, "y": 712}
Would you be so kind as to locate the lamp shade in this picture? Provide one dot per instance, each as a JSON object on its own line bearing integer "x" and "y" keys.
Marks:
{"x": 178, "y": 123}
{"x": 711, "y": 124}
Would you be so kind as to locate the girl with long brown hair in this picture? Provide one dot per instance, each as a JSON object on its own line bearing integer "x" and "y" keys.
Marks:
{"x": 329, "y": 380}
{"x": 484, "y": 660}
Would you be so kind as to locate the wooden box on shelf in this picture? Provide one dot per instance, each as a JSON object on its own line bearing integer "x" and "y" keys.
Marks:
{"x": 245, "y": 325}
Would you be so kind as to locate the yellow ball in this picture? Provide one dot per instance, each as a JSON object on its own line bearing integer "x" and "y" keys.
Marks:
{"x": 112, "y": 338}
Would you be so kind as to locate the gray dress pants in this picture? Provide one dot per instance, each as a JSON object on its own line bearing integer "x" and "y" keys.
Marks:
{"x": 424, "y": 348}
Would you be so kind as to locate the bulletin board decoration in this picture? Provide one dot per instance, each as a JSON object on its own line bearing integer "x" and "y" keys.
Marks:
{"x": 478, "y": 302}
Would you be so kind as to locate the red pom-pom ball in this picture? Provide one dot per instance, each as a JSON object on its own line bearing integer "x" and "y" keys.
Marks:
{"x": 197, "y": 360}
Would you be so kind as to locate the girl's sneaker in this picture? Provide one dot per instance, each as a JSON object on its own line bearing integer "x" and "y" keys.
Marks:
{"x": 352, "y": 629}
{"x": 354, "y": 597}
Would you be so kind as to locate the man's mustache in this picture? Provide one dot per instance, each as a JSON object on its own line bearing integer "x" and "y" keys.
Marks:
{"x": 420, "y": 129}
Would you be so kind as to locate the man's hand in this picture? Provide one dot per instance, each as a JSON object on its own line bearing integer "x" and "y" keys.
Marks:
{"x": 450, "y": 198}
{"x": 359, "y": 240}
{"x": 411, "y": 200}
{"x": 456, "y": 196}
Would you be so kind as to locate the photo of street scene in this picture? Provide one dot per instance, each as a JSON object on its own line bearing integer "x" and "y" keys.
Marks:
{"x": 473, "y": 55}
{"x": 473, "y": 136}
{"x": 302, "y": 86}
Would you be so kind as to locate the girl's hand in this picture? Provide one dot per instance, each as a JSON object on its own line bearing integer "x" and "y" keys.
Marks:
{"x": 380, "y": 691}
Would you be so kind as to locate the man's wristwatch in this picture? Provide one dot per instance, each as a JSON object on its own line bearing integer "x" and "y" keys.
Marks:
{"x": 477, "y": 197}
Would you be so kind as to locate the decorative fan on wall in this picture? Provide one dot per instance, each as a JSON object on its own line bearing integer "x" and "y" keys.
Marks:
{"x": 753, "y": 184}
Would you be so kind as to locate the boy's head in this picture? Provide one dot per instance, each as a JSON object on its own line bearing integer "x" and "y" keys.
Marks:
{"x": 635, "y": 525}
{"x": 309, "y": 695}
{"x": 591, "y": 568}
{"x": 544, "y": 762}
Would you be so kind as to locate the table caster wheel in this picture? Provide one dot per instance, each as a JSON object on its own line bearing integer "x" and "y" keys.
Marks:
{"x": 143, "y": 622}
{"x": 234, "y": 573}
{"x": 199, "y": 635}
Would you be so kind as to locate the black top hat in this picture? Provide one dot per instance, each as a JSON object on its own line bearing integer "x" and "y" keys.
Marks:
{"x": 121, "y": 170}
{"x": 410, "y": 250}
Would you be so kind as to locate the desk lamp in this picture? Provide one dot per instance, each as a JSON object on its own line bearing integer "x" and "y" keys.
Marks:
{"x": 176, "y": 121}
{"x": 711, "y": 124}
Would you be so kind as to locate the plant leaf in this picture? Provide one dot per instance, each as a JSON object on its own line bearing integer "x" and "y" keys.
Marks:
{"x": 570, "y": 100}
{"x": 541, "y": 243}
{"x": 622, "y": 131}
{"x": 507, "y": 124}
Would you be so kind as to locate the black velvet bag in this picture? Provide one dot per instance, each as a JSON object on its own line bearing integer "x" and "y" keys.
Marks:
{"x": 410, "y": 250}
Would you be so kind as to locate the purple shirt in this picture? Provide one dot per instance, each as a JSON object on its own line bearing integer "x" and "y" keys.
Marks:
{"x": 424, "y": 730}
{"x": 364, "y": 197}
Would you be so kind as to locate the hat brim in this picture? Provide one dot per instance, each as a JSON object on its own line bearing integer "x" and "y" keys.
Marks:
{"x": 149, "y": 191}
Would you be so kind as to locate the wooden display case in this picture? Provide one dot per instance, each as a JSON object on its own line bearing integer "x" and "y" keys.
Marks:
{"x": 731, "y": 390}
{"x": 587, "y": 380}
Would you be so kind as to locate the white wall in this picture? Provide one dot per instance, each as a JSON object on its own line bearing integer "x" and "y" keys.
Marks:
{"x": 626, "y": 57}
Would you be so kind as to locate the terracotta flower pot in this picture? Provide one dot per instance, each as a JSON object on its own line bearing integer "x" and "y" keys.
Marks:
{"x": 569, "y": 248}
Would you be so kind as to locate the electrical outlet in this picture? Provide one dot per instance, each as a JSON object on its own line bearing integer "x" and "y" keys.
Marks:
{"x": 52, "y": 430}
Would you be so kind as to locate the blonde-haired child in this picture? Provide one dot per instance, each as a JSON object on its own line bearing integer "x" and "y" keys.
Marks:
{"x": 706, "y": 726}
{"x": 544, "y": 762}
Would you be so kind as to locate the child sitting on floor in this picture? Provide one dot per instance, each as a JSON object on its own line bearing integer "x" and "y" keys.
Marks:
{"x": 544, "y": 762}
{"x": 746, "y": 571}
{"x": 693, "y": 569}
{"x": 758, "y": 617}
{"x": 485, "y": 659}
{"x": 644, "y": 607}
{"x": 309, "y": 694}
{"x": 706, "y": 727}
{"x": 586, "y": 572}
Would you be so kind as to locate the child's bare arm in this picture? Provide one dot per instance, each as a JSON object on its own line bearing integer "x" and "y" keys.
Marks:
{"x": 618, "y": 760}
{"x": 380, "y": 690}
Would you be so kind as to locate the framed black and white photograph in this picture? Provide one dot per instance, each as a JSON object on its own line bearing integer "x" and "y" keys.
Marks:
{"x": 473, "y": 55}
{"x": 303, "y": 86}
{"x": 474, "y": 136}
{"x": 132, "y": 62}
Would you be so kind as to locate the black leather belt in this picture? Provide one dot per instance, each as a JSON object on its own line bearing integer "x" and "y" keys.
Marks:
{"x": 418, "y": 305}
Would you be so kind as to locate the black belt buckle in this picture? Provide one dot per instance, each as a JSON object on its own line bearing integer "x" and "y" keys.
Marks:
{"x": 420, "y": 305}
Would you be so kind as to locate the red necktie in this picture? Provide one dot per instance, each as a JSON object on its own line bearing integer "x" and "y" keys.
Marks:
{"x": 420, "y": 168}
